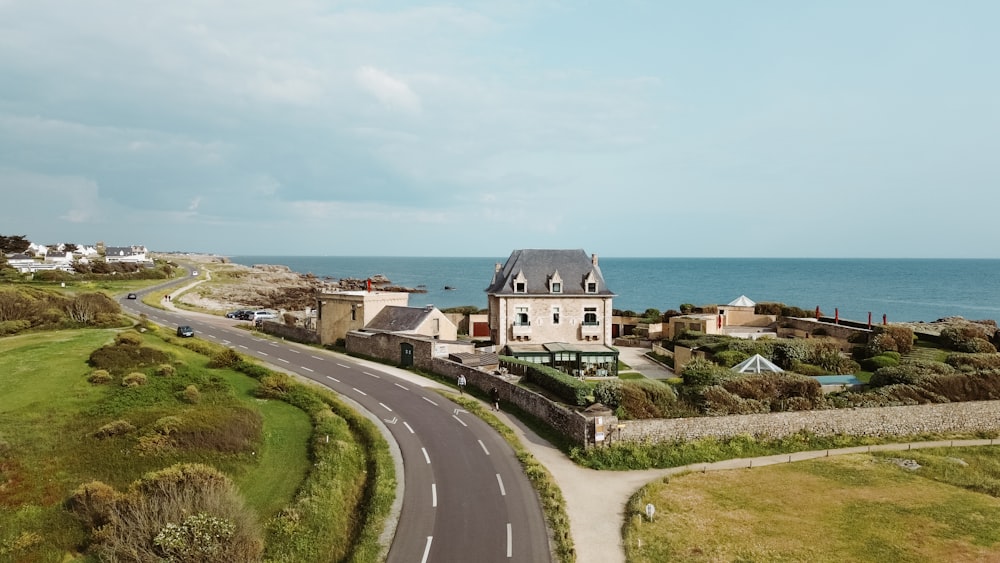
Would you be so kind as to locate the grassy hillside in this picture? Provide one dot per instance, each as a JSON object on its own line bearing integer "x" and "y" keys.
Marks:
{"x": 58, "y": 431}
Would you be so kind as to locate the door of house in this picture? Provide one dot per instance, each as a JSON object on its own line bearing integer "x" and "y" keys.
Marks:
{"x": 406, "y": 354}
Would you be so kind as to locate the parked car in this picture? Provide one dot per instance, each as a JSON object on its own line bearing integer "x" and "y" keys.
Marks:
{"x": 185, "y": 331}
{"x": 194, "y": 272}
{"x": 263, "y": 315}
{"x": 132, "y": 296}
{"x": 237, "y": 314}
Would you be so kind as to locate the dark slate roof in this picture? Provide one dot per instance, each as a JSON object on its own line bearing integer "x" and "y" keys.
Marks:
{"x": 393, "y": 318}
{"x": 475, "y": 360}
{"x": 538, "y": 266}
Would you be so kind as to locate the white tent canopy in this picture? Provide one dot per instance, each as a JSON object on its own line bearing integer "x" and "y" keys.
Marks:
{"x": 756, "y": 364}
{"x": 742, "y": 301}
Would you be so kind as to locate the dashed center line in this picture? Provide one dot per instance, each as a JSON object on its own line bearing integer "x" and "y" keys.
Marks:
{"x": 427, "y": 457}
{"x": 244, "y": 347}
{"x": 371, "y": 374}
{"x": 263, "y": 353}
{"x": 294, "y": 351}
{"x": 316, "y": 357}
{"x": 283, "y": 360}
{"x": 503, "y": 492}
{"x": 360, "y": 391}
{"x": 484, "y": 447}
{"x": 385, "y": 407}
{"x": 307, "y": 369}
{"x": 401, "y": 387}
{"x": 427, "y": 549}
{"x": 344, "y": 365}
{"x": 429, "y": 401}
{"x": 510, "y": 541}
{"x": 409, "y": 428}
{"x": 460, "y": 421}
{"x": 333, "y": 379}
{"x": 434, "y": 495}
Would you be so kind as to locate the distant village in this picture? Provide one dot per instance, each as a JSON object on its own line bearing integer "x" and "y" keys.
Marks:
{"x": 29, "y": 258}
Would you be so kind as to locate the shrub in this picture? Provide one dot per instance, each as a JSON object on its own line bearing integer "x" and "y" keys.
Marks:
{"x": 99, "y": 377}
{"x": 134, "y": 379}
{"x": 908, "y": 373}
{"x": 274, "y": 386}
{"x": 13, "y": 327}
{"x": 608, "y": 393}
{"x": 92, "y": 503}
{"x": 649, "y": 399}
{"x": 974, "y": 361}
{"x": 775, "y": 390}
{"x": 729, "y": 358}
{"x": 569, "y": 389}
{"x": 700, "y": 372}
{"x": 129, "y": 338}
{"x": 114, "y": 428}
{"x": 119, "y": 360}
{"x": 227, "y": 358}
{"x": 890, "y": 338}
{"x": 191, "y": 394}
{"x": 883, "y": 360}
{"x": 166, "y": 370}
{"x": 187, "y": 512}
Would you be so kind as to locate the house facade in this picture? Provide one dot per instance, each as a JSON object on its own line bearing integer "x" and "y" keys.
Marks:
{"x": 553, "y": 307}
{"x": 340, "y": 312}
{"x": 425, "y": 321}
{"x": 135, "y": 254}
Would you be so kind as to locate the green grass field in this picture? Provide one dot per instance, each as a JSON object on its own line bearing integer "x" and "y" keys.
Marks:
{"x": 49, "y": 412}
{"x": 852, "y": 508}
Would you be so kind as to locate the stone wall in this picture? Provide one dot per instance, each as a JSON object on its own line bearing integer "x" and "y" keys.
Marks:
{"x": 882, "y": 421}
{"x": 571, "y": 424}
{"x": 805, "y": 328}
{"x": 386, "y": 347}
{"x": 293, "y": 333}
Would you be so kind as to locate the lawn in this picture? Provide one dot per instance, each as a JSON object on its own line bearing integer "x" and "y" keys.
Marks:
{"x": 850, "y": 508}
{"x": 49, "y": 412}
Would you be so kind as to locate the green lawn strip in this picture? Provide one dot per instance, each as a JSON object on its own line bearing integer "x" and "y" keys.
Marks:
{"x": 553, "y": 503}
{"x": 631, "y": 375}
{"x": 644, "y": 455}
{"x": 850, "y": 508}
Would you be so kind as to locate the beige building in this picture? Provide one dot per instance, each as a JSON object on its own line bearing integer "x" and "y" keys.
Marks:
{"x": 736, "y": 318}
{"x": 553, "y": 307}
{"x": 340, "y": 312}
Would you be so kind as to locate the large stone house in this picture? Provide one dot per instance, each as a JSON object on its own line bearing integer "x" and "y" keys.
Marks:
{"x": 553, "y": 307}
{"x": 343, "y": 311}
{"x": 424, "y": 321}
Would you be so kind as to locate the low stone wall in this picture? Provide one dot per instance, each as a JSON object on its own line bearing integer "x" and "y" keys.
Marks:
{"x": 293, "y": 333}
{"x": 567, "y": 422}
{"x": 881, "y": 421}
{"x": 386, "y": 347}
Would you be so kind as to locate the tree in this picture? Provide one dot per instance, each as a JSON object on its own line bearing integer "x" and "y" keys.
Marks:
{"x": 14, "y": 243}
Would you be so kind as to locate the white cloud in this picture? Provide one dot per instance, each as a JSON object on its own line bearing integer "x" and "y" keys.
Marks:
{"x": 392, "y": 92}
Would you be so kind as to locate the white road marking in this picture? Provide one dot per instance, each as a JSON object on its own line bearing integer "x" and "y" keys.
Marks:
{"x": 434, "y": 495}
{"x": 283, "y": 360}
{"x": 385, "y": 407}
{"x": 360, "y": 391}
{"x": 427, "y": 457}
{"x": 427, "y": 549}
{"x": 263, "y": 353}
{"x": 503, "y": 491}
{"x": 212, "y": 336}
{"x": 316, "y": 357}
{"x": 294, "y": 351}
{"x": 510, "y": 542}
{"x": 371, "y": 374}
{"x": 333, "y": 379}
{"x": 484, "y": 447}
{"x": 460, "y": 420}
{"x": 307, "y": 369}
{"x": 401, "y": 387}
{"x": 344, "y": 366}
{"x": 244, "y": 347}
{"x": 429, "y": 401}
{"x": 408, "y": 428}
{"x": 273, "y": 344}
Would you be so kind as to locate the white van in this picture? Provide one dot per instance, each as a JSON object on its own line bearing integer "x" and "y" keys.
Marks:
{"x": 263, "y": 315}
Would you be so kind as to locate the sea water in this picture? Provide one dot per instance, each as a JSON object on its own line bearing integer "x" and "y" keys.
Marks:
{"x": 901, "y": 289}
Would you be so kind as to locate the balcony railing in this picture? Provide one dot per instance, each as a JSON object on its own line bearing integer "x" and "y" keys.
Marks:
{"x": 521, "y": 329}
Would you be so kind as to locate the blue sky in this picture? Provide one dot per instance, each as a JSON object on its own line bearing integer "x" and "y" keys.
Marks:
{"x": 632, "y": 128}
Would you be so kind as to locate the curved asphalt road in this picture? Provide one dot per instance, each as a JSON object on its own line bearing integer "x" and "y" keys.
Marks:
{"x": 465, "y": 497}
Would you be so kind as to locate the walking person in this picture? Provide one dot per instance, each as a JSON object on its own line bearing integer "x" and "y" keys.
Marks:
{"x": 495, "y": 397}
{"x": 461, "y": 384}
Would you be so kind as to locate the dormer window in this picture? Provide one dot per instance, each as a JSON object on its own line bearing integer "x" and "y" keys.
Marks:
{"x": 555, "y": 283}
{"x": 590, "y": 283}
{"x": 591, "y": 287}
{"x": 520, "y": 283}
{"x": 556, "y": 287}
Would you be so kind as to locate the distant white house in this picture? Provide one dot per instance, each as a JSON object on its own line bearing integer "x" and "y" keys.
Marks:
{"x": 135, "y": 254}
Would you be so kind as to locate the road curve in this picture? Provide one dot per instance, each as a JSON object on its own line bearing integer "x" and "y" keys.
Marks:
{"x": 465, "y": 495}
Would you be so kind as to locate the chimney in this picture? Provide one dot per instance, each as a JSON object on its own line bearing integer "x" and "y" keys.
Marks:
{"x": 593, "y": 259}
{"x": 497, "y": 268}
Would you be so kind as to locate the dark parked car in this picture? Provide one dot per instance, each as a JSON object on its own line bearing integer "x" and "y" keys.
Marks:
{"x": 132, "y": 296}
{"x": 238, "y": 314}
{"x": 185, "y": 331}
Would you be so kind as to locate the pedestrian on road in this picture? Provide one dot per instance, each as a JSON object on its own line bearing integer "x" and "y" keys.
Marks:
{"x": 495, "y": 396}
{"x": 461, "y": 384}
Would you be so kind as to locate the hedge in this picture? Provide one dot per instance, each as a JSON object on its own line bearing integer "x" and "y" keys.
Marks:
{"x": 568, "y": 388}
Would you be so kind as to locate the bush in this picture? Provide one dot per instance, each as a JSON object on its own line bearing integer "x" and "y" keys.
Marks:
{"x": 166, "y": 370}
{"x": 114, "y": 428}
{"x": 729, "y": 358}
{"x": 134, "y": 379}
{"x": 100, "y": 377}
{"x": 890, "y": 338}
{"x": 191, "y": 394}
{"x": 883, "y": 360}
{"x": 92, "y": 503}
{"x": 119, "y": 359}
{"x": 909, "y": 373}
{"x": 699, "y": 372}
{"x": 130, "y": 338}
{"x": 974, "y": 361}
{"x": 274, "y": 386}
{"x": 609, "y": 393}
{"x": 775, "y": 390}
{"x": 227, "y": 358}
{"x": 649, "y": 399}
{"x": 569, "y": 389}
{"x": 187, "y": 512}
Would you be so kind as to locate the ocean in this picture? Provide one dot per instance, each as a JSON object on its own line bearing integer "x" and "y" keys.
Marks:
{"x": 902, "y": 289}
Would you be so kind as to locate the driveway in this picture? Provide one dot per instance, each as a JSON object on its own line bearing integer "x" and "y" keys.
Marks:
{"x": 637, "y": 360}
